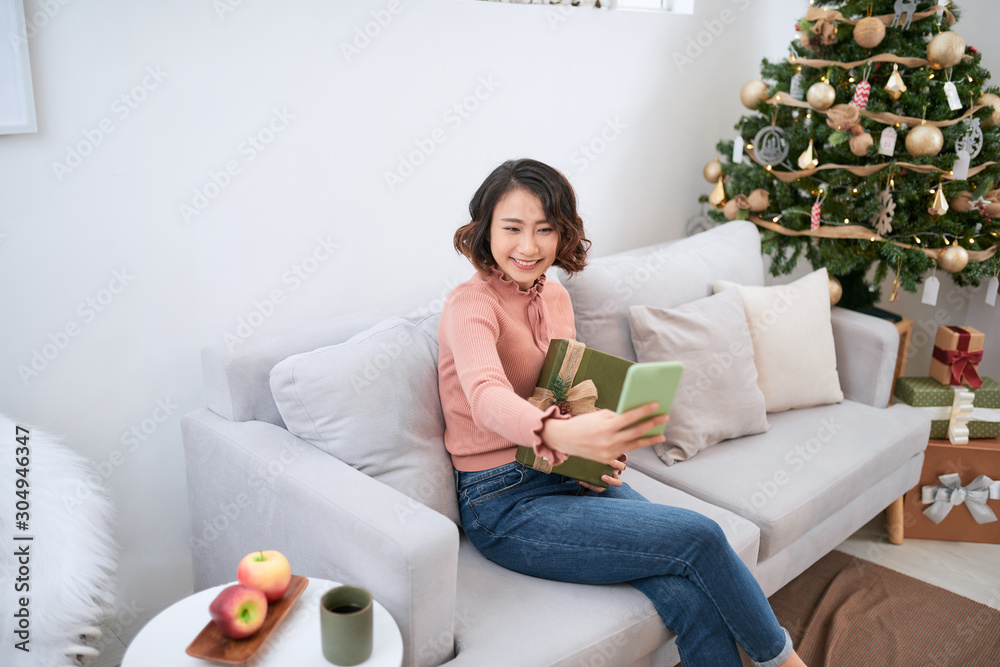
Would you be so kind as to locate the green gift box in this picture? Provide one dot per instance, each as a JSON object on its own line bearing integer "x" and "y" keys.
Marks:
{"x": 937, "y": 399}
{"x": 578, "y": 380}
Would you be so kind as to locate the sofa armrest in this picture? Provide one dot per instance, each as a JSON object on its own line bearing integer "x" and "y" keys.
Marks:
{"x": 253, "y": 485}
{"x": 866, "y": 356}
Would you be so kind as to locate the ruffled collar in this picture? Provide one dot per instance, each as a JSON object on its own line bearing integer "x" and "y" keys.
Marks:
{"x": 498, "y": 280}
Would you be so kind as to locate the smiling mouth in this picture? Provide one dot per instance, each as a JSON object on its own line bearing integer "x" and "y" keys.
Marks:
{"x": 521, "y": 264}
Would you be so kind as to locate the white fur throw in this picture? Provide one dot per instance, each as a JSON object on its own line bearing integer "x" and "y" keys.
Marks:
{"x": 72, "y": 560}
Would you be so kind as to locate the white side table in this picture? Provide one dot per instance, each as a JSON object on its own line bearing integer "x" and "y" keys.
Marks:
{"x": 296, "y": 641}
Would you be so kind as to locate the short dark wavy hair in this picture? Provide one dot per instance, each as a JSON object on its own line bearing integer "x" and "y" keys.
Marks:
{"x": 558, "y": 201}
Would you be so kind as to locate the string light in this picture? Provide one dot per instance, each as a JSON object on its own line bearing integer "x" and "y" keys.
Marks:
{"x": 917, "y": 239}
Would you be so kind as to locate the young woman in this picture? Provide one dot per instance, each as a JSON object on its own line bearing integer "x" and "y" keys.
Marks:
{"x": 494, "y": 332}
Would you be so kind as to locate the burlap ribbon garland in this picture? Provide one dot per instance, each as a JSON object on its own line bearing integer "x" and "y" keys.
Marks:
{"x": 819, "y": 63}
{"x": 883, "y": 117}
{"x": 581, "y": 398}
{"x": 863, "y": 234}
{"x": 817, "y": 13}
{"x": 865, "y": 170}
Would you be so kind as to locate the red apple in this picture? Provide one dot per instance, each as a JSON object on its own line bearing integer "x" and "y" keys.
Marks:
{"x": 267, "y": 570}
{"x": 239, "y": 611}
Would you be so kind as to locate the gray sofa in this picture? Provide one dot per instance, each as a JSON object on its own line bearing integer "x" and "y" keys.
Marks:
{"x": 784, "y": 498}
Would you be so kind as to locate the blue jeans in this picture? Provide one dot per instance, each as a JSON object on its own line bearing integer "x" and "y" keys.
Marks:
{"x": 549, "y": 526}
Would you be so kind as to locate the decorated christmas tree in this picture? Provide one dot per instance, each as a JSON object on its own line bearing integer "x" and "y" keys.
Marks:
{"x": 874, "y": 144}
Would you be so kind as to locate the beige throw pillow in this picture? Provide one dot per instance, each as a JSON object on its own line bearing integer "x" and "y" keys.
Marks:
{"x": 792, "y": 341}
{"x": 718, "y": 397}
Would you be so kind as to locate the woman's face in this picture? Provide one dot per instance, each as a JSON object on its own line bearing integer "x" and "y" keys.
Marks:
{"x": 523, "y": 242}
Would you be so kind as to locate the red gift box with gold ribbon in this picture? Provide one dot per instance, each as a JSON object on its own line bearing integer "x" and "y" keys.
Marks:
{"x": 956, "y": 356}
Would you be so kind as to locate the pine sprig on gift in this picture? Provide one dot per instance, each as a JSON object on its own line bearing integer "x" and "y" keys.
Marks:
{"x": 560, "y": 394}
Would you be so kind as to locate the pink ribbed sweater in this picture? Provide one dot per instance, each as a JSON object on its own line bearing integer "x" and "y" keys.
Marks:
{"x": 493, "y": 338}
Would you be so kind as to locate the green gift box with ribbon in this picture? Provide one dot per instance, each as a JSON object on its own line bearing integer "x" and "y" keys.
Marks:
{"x": 579, "y": 380}
{"x": 937, "y": 400}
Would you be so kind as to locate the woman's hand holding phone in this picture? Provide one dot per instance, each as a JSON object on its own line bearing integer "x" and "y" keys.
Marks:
{"x": 603, "y": 435}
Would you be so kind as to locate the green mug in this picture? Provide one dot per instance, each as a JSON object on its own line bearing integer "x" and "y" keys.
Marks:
{"x": 345, "y": 617}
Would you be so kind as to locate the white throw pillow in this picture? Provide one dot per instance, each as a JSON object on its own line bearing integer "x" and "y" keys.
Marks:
{"x": 792, "y": 341}
{"x": 718, "y": 397}
{"x": 373, "y": 403}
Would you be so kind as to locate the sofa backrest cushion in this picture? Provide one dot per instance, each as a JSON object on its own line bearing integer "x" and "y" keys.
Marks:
{"x": 664, "y": 276}
{"x": 236, "y": 372}
{"x": 373, "y": 403}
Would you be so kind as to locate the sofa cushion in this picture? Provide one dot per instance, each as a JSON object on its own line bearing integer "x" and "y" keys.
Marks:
{"x": 664, "y": 275}
{"x": 373, "y": 402}
{"x": 710, "y": 337}
{"x": 808, "y": 466}
{"x": 792, "y": 341}
{"x": 499, "y": 613}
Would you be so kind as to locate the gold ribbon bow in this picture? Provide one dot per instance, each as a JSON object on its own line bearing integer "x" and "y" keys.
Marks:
{"x": 579, "y": 399}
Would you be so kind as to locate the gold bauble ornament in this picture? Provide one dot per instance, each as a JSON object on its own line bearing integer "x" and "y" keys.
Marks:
{"x": 924, "y": 141}
{"x": 753, "y": 92}
{"x": 993, "y": 101}
{"x": 713, "y": 170}
{"x": 869, "y": 32}
{"x": 836, "y": 290}
{"x": 953, "y": 259}
{"x": 945, "y": 50}
{"x": 718, "y": 195}
{"x": 895, "y": 86}
{"x": 759, "y": 200}
{"x": 821, "y": 96}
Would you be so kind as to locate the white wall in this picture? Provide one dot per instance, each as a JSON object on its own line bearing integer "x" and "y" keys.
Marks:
{"x": 340, "y": 126}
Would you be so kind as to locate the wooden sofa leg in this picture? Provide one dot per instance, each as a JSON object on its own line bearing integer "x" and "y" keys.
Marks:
{"x": 894, "y": 521}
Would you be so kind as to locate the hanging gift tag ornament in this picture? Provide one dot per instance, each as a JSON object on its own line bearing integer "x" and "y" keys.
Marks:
{"x": 931, "y": 287}
{"x": 887, "y": 142}
{"x": 797, "y": 88}
{"x": 991, "y": 291}
{"x": 808, "y": 158}
{"x": 895, "y": 86}
{"x": 771, "y": 145}
{"x": 951, "y": 93}
{"x": 972, "y": 141}
{"x": 861, "y": 94}
{"x": 960, "y": 170}
{"x": 738, "y": 149}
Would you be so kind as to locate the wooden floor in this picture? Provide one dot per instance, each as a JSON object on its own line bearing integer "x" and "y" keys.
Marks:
{"x": 966, "y": 568}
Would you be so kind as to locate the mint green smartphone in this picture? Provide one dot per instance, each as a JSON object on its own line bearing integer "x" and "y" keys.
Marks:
{"x": 649, "y": 382}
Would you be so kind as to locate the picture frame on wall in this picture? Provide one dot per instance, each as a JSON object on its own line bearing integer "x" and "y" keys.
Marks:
{"x": 17, "y": 99}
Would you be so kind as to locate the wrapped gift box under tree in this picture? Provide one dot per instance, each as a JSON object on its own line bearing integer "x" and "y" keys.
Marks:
{"x": 578, "y": 380}
{"x": 958, "y": 497}
{"x": 956, "y": 356}
{"x": 938, "y": 399}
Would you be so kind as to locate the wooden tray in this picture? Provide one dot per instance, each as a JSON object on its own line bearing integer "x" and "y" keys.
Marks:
{"x": 210, "y": 644}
